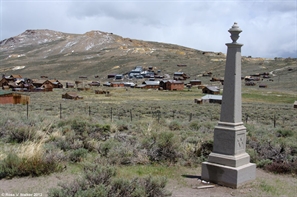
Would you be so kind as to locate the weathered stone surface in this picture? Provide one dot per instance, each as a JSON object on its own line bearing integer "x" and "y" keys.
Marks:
{"x": 229, "y": 164}
{"x": 234, "y": 177}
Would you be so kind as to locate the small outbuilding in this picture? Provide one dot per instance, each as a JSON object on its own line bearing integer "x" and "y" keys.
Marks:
{"x": 195, "y": 82}
{"x": 211, "y": 90}
{"x": 8, "y": 97}
{"x": 295, "y": 104}
{"x": 172, "y": 85}
{"x": 262, "y": 86}
{"x": 212, "y": 99}
{"x": 151, "y": 84}
{"x": 71, "y": 95}
{"x": 117, "y": 84}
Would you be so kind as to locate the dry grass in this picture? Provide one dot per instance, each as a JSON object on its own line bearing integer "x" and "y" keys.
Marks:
{"x": 125, "y": 140}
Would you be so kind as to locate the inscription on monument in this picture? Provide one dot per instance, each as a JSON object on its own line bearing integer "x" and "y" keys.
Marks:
{"x": 240, "y": 141}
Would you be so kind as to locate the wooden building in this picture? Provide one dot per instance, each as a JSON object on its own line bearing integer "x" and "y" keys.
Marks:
{"x": 8, "y": 97}
{"x": 71, "y": 95}
{"x": 195, "y": 82}
{"x": 211, "y": 99}
{"x": 211, "y": 90}
{"x": 180, "y": 76}
{"x": 262, "y": 86}
{"x": 151, "y": 84}
{"x": 172, "y": 85}
{"x": 117, "y": 84}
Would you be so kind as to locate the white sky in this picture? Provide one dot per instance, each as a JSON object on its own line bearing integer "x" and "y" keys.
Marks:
{"x": 269, "y": 28}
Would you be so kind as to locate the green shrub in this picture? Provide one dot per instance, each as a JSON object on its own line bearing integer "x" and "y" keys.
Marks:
{"x": 21, "y": 134}
{"x": 284, "y": 133}
{"x": 13, "y": 166}
{"x": 195, "y": 126}
{"x": 282, "y": 167}
{"x": 79, "y": 126}
{"x": 106, "y": 146}
{"x": 121, "y": 154}
{"x": 78, "y": 155}
{"x": 100, "y": 181}
{"x": 263, "y": 163}
{"x": 174, "y": 126}
{"x": 205, "y": 149}
{"x": 253, "y": 155}
{"x": 162, "y": 146}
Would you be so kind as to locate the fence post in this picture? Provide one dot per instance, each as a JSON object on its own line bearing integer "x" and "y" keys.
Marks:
{"x": 274, "y": 121}
{"x": 131, "y": 115}
{"x": 60, "y": 110}
{"x": 27, "y": 109}
{"x": 111, "y": 114}
{"x": 246, "y": 118}
{"x": 159, "y": 116}
{"x": 190, "y": 119}
{"x": 89, "y": 110}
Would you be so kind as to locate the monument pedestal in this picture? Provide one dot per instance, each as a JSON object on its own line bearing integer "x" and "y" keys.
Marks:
{"x": 229, "y": 164}
{"x": 233, "y": 177}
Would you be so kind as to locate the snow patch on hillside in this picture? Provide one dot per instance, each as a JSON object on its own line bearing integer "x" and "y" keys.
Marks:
{"x": 18, "y": 67}
{"x": 89, "y": 46}
{"x": 68, "y": 45}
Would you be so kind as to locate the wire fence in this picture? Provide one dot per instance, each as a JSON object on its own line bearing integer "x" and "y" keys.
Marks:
{"x": 277, "y": 115}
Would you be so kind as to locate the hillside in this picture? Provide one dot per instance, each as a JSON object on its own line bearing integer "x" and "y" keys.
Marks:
{"x": 95, "y": 53}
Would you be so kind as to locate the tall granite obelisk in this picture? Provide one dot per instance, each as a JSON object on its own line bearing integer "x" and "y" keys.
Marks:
{"x": 229, "y": 164}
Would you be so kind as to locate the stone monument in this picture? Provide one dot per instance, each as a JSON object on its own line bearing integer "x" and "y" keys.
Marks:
{"x": 229, "y": 164}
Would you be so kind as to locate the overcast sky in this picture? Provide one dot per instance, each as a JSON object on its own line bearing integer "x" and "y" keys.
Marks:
{"x": 269, "y": 28}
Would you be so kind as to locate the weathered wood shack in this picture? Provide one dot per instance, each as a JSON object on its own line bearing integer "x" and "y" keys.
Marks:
{"x": 180, "y": 76}
{"x": 172, "y": 85}
{"x": 262, "y": 86}
{"x": 211, "y": 90}
{"x": 71, "y": 95}
{"x": 151, "y": 84}
{"x": 94, "y": 83}
{"x": 69, "y": 85}
{"x": 8, "y": 97}
{"x": 195, "y": 82}
{"x": 48, "y": 85}
{"x": 117, "y": 84}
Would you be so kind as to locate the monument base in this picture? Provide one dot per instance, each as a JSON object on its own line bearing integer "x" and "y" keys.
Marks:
{"x": 233, "y": 177}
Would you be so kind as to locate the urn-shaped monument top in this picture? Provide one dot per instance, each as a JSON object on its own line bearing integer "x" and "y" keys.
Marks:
{"x": 235, "y": 31}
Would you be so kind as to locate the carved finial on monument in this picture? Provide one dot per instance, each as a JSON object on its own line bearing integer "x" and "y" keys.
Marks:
{"x": 235, "y": 31}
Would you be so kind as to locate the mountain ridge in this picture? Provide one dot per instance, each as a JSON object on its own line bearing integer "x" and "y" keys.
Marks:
{"x": 35, "y": 53}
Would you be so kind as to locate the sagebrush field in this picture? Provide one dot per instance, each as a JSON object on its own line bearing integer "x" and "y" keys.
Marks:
{"x": 133, "y": 141}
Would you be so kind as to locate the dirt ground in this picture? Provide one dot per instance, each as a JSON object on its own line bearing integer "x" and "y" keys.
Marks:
{"x": 188, "y": 186}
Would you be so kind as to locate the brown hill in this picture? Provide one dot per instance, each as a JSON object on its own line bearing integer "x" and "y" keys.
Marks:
{"x": 36, "y": 53}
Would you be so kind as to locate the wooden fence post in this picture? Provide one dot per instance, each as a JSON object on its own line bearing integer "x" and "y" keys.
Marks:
{"x": 131, "y": 115}
{"x": 274, "y": 121}
{"x": 111, "y": 114}
{"x": 60, "y": 110}
{"x": 190, "y": 119}
{"x": 27, "y": 109}
{"x": 159, "y": 115}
